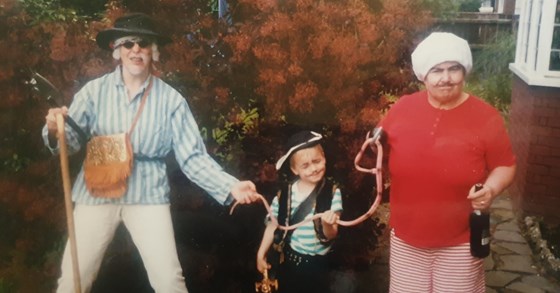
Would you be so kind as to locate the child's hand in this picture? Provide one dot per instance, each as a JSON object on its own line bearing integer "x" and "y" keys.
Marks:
{"x": 262, "y": 264}
{"x": 329, "y": 217}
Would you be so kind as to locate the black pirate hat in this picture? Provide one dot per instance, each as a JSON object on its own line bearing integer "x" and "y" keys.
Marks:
{"x": 133, "y": 24}
{"x": 301, "y": 140}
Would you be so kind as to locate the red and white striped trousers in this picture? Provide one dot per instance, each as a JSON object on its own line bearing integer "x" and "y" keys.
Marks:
{"x": 434, "y": 270}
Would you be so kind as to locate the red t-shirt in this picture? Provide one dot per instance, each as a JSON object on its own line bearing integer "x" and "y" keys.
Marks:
{"x": 435, "y": 157}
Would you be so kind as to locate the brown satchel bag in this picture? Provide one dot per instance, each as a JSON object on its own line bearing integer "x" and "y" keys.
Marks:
{"x": 109, "y": 160}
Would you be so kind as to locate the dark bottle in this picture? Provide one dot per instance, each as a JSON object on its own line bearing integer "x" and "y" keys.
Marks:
{"x": 480, "y": 231}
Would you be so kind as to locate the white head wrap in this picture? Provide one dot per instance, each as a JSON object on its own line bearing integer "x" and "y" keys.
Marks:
{"x": 438, "y": 48}
{"x": 120, "y": 41}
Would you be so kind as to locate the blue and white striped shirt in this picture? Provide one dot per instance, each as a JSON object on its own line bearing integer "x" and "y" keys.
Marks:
{"x": 304, "y": 239}
{"x": 166, "y": 124}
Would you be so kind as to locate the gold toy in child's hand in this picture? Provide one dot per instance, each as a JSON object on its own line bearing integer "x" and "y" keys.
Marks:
{"x": 266, "y": 285}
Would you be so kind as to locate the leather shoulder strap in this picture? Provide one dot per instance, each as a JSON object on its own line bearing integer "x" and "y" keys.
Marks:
{"x": 141, "y": 107}
{"x": 300, "y": 213}
{"x": 324, "y": 199}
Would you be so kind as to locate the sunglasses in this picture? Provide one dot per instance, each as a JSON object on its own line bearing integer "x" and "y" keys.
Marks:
{"x": 141, "y": 44}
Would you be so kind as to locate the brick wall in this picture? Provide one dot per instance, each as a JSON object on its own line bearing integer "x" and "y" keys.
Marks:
{"x": 535, "y": 134}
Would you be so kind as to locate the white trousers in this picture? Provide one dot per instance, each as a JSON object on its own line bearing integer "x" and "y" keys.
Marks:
{"x": 151, "y": 230}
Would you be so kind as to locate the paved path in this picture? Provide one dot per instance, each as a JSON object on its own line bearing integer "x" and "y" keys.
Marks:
{"x": 511, "y": 267}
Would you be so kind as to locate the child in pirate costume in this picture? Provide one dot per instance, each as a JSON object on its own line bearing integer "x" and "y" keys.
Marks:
{"x": 303, "y": 264}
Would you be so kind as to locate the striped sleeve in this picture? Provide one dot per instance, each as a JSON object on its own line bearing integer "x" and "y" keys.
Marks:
{"x": 193, "y": 158}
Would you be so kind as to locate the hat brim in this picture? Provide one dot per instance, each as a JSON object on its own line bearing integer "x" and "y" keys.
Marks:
{"x": 104, "y": 38}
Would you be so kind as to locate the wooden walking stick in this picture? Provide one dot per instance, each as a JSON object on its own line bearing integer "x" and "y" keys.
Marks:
{"x": 68, "y": 201}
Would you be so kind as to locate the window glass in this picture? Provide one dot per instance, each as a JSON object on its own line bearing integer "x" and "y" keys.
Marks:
{"x": 555, "y": 49}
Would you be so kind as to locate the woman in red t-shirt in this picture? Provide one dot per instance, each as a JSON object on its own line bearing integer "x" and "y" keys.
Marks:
{"x": 441, "y": 142}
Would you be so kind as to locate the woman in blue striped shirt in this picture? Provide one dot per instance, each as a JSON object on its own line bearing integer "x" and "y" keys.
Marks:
{"x": 304, "y": 267}
{"x": 108, "y": 105}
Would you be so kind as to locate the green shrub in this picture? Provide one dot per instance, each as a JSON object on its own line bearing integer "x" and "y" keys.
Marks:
{"x": 443, "y": 9}
{"x": 469, "y": 5}
{"x": 491, "y": 77}
{"x": 5, "y": 286}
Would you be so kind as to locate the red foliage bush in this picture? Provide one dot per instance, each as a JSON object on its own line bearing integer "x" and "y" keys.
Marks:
{"x": 314, "y": 58}
{"x": 322, "y": 65}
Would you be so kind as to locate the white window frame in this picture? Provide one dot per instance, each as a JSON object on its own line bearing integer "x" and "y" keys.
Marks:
{"x": 534, "y": 42}
{"x": 500, "y": 5}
